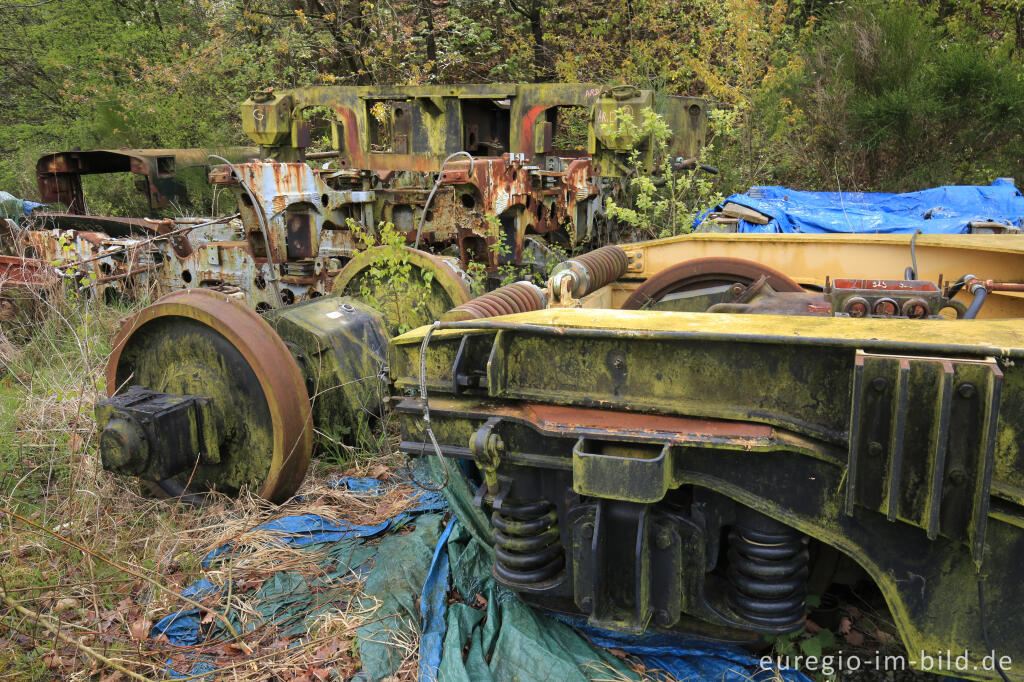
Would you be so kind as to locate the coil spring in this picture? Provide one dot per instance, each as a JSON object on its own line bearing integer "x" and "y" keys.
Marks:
{"x": 589, "y": 272}
{"x": 527, "y": 549}
{"x": 518, "y": 297}
{"x": 768, "y": 573}
{"x": 605, "y": 265}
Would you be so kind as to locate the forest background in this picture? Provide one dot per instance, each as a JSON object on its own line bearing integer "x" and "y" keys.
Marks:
{"x": 820, "y": 94}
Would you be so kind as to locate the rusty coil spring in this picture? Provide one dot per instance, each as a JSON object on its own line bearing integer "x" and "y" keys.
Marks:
{"x": 589, "y": 272}
{"x": 518, "y": 297}
{"x": 527, "y": 549}
{"x": 605, "y": 265}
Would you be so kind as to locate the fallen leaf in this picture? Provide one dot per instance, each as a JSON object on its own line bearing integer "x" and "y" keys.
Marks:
{"x": 74, "y": 442}
{"x": 66, "y": 604}
{"x": 140, "y": 628}
{"x": 854, "y": 638}
{"x": 481, "y": 601}
{"x": 812, "y": 627}
{"x": 618, "y": 653}
{"x": 845, "y": 625}
{"x": 252, "y": 584}
{"x": 239, "y": 647}
{"x": 207, "y": 618}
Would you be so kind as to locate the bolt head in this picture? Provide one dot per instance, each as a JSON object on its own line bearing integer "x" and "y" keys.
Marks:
{"x": 879, "y": 384}
{"x": 966, "y": 390}
{"x": 874, "y": 448}
{"x": 588, "y": 530}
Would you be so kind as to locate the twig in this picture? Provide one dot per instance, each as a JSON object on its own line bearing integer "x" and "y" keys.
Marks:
{"x": 154, "y": 583}
{"x": 89, "y": 651}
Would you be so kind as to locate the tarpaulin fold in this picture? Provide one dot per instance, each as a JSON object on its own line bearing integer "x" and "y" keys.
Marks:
{"x": 468, "y": 626}
{"x": 493, "y": 635}
{"x": 938, "y": 210}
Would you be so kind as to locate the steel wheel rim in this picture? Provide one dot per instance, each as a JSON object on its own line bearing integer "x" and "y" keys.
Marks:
{"x": 266, "y": 354}
{"x": 701, "y": 272}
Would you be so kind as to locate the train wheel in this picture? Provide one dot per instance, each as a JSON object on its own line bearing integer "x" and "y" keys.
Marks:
{"x": 196, "y": 342}
{"x": 702, "y": 273}
{"x": 409, "y": 290}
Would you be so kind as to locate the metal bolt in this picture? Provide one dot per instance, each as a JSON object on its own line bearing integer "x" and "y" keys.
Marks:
{"x": 586, "y": 603}
{"x": 957, "y": 476}
{"x": 874, "y": 448}
{"x": 588, "y": 530}
{"x": 618, "y": 363}
{"x": 879, "y": 384}
{"x": 966, "y": 390}
{"x": 495, "y": 444}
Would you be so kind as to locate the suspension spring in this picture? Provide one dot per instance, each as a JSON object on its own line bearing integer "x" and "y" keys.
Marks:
{"x": 527, "y": 549}
{"x": 518, "y": 297}
{"x": 768, "y": 572}
{"x": 591, "y": 271}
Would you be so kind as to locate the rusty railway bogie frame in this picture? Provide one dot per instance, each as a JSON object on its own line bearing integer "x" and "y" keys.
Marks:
{"x": 532, "y": 166}
{"x": 409, "y": 145}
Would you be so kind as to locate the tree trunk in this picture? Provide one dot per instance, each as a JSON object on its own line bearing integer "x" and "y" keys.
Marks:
{"x": 426, "y": 8}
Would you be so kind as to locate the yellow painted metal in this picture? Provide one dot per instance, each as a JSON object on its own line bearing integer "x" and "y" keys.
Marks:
{"x": 810, "y": 258}
{"x": 1003, "y": 337}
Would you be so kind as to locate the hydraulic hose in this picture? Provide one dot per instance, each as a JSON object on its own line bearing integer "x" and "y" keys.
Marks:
{"x": 980, "y": 294}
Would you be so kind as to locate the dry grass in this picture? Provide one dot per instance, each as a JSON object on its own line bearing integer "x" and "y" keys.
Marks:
{"x": 94, "y": 558}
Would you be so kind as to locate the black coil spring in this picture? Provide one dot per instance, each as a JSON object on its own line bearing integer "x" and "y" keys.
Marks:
{"x": 518, "y": 297}
{"x": 604, "y": 265}
{"x": 527, "y": 549}
{"x": 768, "y": 574}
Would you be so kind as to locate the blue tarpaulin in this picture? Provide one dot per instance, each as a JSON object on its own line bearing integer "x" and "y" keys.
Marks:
{"x": 506, "y": 639}
{"x": 939, "y": 210}
{"x": 12, "y": 207}
{"x": 491, "y": 635}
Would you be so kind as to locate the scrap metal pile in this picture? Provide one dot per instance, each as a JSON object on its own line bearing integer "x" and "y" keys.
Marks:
{"x": 643, "y": 449}
{"x": 691, "y": 434}
{"x": 494, "y": 175}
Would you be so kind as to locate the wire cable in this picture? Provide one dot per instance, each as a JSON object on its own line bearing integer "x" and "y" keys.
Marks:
{"x": 437, "y": 183}
{"x": 258, "y": 210}
{"x": 984, "y": 629}
{"x": 426, "y": 415}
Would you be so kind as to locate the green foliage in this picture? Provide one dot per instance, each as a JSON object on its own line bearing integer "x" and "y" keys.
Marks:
{"x": 666, "y": 201}
{"x": 803, "y": 644}
{"x": 404, "y": 293}
{"x": 865, "y": 94}
{"x": 888, "y": 96}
